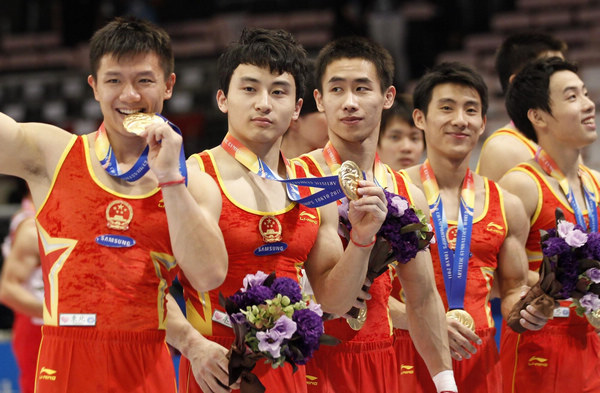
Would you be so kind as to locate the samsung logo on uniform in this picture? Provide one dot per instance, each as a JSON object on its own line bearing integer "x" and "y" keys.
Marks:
{"x": 117, "y": 241}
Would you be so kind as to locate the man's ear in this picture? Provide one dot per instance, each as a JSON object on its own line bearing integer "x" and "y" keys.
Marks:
{"x": 222, "y": 101}
{"x": 536, "y": 117}
{"x": 318, "y": 100}
{"x": 297, "y": 109}
{"x": 389, "y": 96}
{"x": 92, "y": 82}
{"x": 419, "y": 119}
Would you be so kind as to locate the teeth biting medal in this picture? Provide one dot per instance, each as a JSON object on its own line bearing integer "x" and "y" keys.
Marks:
{"x": 136, "y": 123}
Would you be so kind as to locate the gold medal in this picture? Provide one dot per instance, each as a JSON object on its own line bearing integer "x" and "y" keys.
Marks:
{"x": 358, "y": 322}
{"x": 463, "y": 317}
{"x": 137, "y": 122}
{"x": 593, "y": 318}
{"x": 349, "y": 175}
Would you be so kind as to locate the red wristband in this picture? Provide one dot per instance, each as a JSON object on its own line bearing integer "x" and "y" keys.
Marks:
{"x": 171, "y": 183}
{"x": 362, "y": 245}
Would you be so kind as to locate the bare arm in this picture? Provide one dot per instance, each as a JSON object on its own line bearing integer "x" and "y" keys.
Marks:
{"x": 208, "y": 359}
{"x": 31, "y": 151}
{"x": 424, "y": 308}
{"x": 500, "y": 154}
{"x": 193, "y": 218}
{"x": 337, "y": 275}
{"x": 513, "y": 265}
{"x": 18, "y": 266}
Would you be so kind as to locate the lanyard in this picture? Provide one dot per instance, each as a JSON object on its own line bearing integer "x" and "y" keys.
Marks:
{"x": 550, "y": 167}
{"x": 454, "y": 263}
{"x": 331, "y": 188}
{"x": 105, "y": 155}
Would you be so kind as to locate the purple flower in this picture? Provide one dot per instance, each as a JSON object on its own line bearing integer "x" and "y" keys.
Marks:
{"x": 593, "y": 245}
{"x": 576, "y": 238}
{"x": 238, "y": 318}
{"x": 400, "y": 204}
{"x": 270, "y": 341}
{"x": 555, "y": 246}
{"x": 310, "y": 329}
{"x": 590, "y": 302}
{"x": 593, "y": 274}
{"x": 315, "y": 307}
{"x": 287, "y": 287}
{"x": 258, "y": 295}
{"x": 252, "y": 280}
{"x": 564, "y": 227}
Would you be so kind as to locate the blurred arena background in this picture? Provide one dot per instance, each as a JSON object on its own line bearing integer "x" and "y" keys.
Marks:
{"x": 43, "y": 57}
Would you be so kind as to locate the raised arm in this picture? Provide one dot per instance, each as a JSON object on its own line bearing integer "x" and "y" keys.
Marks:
{"x": 193, "y": 216}
{"x": 18, "y": 266}
{"x": 337, "y": 275}
{"x": 31, "y": 151}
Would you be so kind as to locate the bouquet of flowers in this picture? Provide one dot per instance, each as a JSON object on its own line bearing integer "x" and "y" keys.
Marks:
{"x": 404, "y": 232}
{"x": 273, "y": 320}
{"x": 570, "y": 269}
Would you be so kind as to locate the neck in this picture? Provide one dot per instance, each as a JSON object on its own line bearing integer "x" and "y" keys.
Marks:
{"x": 362, "y": 152}
{"x": 294, "y": 147}
{"x": 566, "y": 159}
{"x": 449, "y": 173}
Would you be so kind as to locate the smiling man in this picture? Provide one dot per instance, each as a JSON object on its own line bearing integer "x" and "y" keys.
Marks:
{"x": 549, "y": 103}
{"x": 114, "y": 217}
{"x": 480, "y": 229}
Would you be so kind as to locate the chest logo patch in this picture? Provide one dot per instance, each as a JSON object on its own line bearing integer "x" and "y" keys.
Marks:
{"x": 118, "y": 215}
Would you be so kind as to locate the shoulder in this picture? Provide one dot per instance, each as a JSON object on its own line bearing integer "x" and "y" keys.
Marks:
{"x": 520, "y": 183}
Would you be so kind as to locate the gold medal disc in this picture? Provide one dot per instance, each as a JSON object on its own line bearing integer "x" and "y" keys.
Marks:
{"x": 358, "y": 322}
{"x": 137, "y": 122}
{"x": 463, "y": 317}
{"x": 594, "y": 318}
{"x": 349, "y": 175}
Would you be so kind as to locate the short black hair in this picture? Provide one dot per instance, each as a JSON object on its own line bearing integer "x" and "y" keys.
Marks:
{"x": 275, "y": 49}
{"x": 531, "y": 90}
{"x": 521, "y": 48}
{"x": 131, "y": 36}
{"x": 451, "y": 72}
{"x": 356, "y": 48}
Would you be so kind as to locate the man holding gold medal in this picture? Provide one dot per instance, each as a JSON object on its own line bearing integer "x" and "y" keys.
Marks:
{"x": 115, "y": 218}
{"x": 480, "y": 229}
{"x": 268, "y": 225}
{"x": 354, "y": 85}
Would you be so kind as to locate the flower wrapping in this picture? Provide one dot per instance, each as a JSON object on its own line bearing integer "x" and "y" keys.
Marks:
{"x": 404, "y": 232}
{"x": 273, "y": 320}
{"x": 570, "y": 269}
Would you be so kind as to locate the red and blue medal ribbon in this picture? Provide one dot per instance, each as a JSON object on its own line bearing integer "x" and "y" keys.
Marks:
{"x": 454, "y": 263}
{"x": 331, "y": 187}
{"x": 107, "y": 159}
{"x": 549, "y": 166}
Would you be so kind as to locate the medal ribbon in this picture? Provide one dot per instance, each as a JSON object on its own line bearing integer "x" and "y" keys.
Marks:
{"x": 331, "y": 187}
{"x": 454, "y": 263}
{"x": 550, "y": 167}
{"x": 104, "y": 153}
{"x": 334, "y": 161}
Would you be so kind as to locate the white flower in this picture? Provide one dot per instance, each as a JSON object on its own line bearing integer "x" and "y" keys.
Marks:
{"x": 401, "y": 204}
{"x": 564, "y": 227}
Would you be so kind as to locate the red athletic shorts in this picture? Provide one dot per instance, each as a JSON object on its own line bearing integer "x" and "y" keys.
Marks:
{"x": 365, "y": 367}
{"x": 279, "y": 380}
{"x": 561, "y": 358}
{"x": 26, "y": 344}
{"x": 76, "y": 359}
{"x": 479, "y": 374}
